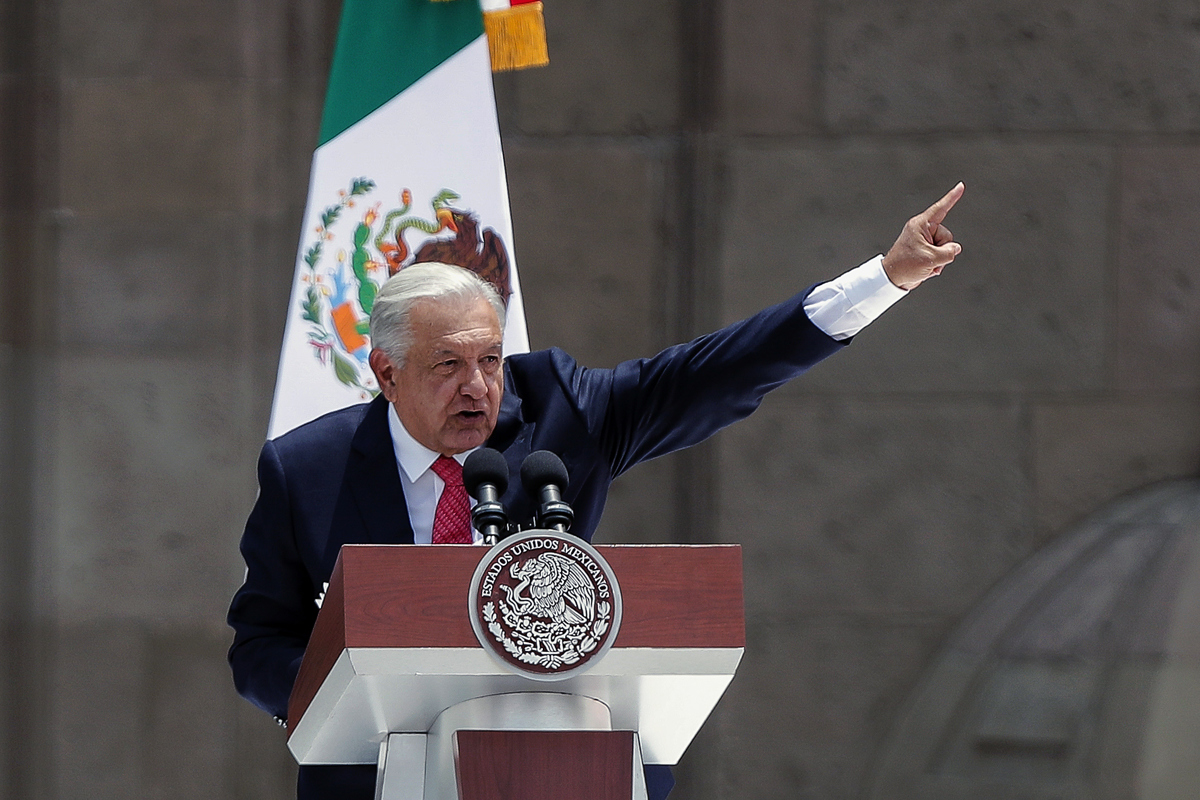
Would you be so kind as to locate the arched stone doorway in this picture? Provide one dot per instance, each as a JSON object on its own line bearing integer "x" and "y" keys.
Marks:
{"x": 1078, "y": 676}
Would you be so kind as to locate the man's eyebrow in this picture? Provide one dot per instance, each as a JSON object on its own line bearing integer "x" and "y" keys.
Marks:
{"x": 450, "y": 351}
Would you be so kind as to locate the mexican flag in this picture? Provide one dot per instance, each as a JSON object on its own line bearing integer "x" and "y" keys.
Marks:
{"x": 408, "y": 168}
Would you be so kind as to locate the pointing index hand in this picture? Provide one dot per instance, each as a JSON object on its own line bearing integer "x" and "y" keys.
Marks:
{"x": 925, "y": 246}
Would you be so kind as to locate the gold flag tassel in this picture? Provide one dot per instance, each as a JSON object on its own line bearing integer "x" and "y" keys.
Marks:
{"x": 516, "y": 37}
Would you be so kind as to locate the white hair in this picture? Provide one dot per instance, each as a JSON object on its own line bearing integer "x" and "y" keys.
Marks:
{"x": 391, "y": 328}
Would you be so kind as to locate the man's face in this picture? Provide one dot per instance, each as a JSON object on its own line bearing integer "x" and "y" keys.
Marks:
{"x": 448, "y": 392}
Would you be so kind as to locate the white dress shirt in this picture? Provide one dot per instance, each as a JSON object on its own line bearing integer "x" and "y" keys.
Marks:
{"x": 841, "y": 308}
{"x": 846, "y": 305}
{"x": 422, "y": 486}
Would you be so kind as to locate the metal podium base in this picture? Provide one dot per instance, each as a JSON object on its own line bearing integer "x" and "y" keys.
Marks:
{"x": 421, "y": 766}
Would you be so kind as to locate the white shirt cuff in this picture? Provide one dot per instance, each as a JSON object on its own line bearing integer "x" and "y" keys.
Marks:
{"x": 844, "y": 306}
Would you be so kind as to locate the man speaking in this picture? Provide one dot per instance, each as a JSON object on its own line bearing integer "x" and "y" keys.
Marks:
{"x": 389, "y": 471}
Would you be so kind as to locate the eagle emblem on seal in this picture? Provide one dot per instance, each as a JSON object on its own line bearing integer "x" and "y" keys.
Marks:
{"x": 552, "y": 586}
{"x": 544, "y": 604}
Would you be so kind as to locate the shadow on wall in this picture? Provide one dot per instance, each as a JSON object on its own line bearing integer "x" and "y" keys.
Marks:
{"x": 1077, "y": 676}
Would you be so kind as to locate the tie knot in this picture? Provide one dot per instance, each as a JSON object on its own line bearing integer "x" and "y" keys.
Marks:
{"x": 448, "y": 470}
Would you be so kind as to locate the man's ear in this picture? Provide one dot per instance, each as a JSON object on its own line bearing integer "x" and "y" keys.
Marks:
{"x": 385, "y": 373}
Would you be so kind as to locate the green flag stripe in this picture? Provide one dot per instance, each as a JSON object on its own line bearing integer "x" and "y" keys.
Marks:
{"x": 385, "y": 46}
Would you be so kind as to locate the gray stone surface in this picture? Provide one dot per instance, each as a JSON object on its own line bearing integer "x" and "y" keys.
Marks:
{"x": 1020, "y": 727}
{"x": 8, "y": 85}
{"x": 150, "y": 489}
{"x": 8, "y": 18}
{"x": 143, "y": 711}
{"x": 263, "y": 766}
{"x": 616, "y": 70}
{"x": 8, "y": 466}
{"x": 1122, "y": 729}
{"x": 1024, "y": 307}
{"x": 280, "y": 137}
{"x": 99, "y": 684}
{"x": 641, "y": 506}
{"x": 811, "y": 699}
{"x": 129, "y": 146}
{"x": 8, "y": 730}
{"x": 116, "y": 38}
{"x": 268, "y": 289}
{"x": 1086, "y": 452}
{"x": 188, "y": 679}
{"x": 287, "y": 43}
{"x": 1078, "y": 622}
{"x": 850, "y": 506}
{"x": 768, "y": 55}
{"x": 1020, "y": 65}
{"x": 157, "y": 284}
{"x": 1158, "y": 277}
{"x": 590, "y": 246}
{"x": 1022, "y": 701}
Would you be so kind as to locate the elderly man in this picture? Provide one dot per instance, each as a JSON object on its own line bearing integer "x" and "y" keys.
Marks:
{"x": 379, "y": 472}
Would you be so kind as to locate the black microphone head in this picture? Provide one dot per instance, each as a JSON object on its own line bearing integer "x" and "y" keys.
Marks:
{"x": 542, "y": 467}
{"x": 485, "y": 465}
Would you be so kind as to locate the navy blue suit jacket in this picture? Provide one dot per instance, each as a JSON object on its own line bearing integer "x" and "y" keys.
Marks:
{"x": 335, "y": 481}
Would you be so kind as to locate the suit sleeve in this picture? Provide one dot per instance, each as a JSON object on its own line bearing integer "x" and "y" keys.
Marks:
{"x": 648, "y": 407}
{"x": 273, "y": 613}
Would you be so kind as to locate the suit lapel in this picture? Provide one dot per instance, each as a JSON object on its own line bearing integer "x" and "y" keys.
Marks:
{"x": 374, "y": 480}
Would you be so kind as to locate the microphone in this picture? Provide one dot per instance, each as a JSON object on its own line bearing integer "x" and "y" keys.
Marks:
{"x": 545, "y": 477}
{"x": 485, "y": 476}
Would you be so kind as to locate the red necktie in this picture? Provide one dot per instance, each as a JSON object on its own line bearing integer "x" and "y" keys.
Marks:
{"x": 452, "y": 521}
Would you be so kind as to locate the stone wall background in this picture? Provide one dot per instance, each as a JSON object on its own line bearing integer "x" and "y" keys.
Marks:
{"x": 679, "y": 165}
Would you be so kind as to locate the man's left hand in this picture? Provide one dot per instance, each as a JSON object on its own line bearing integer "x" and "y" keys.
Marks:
{"x": 925, "y": 246}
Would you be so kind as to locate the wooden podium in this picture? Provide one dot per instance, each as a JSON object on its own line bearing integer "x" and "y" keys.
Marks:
{"x": 394, "y": 675}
